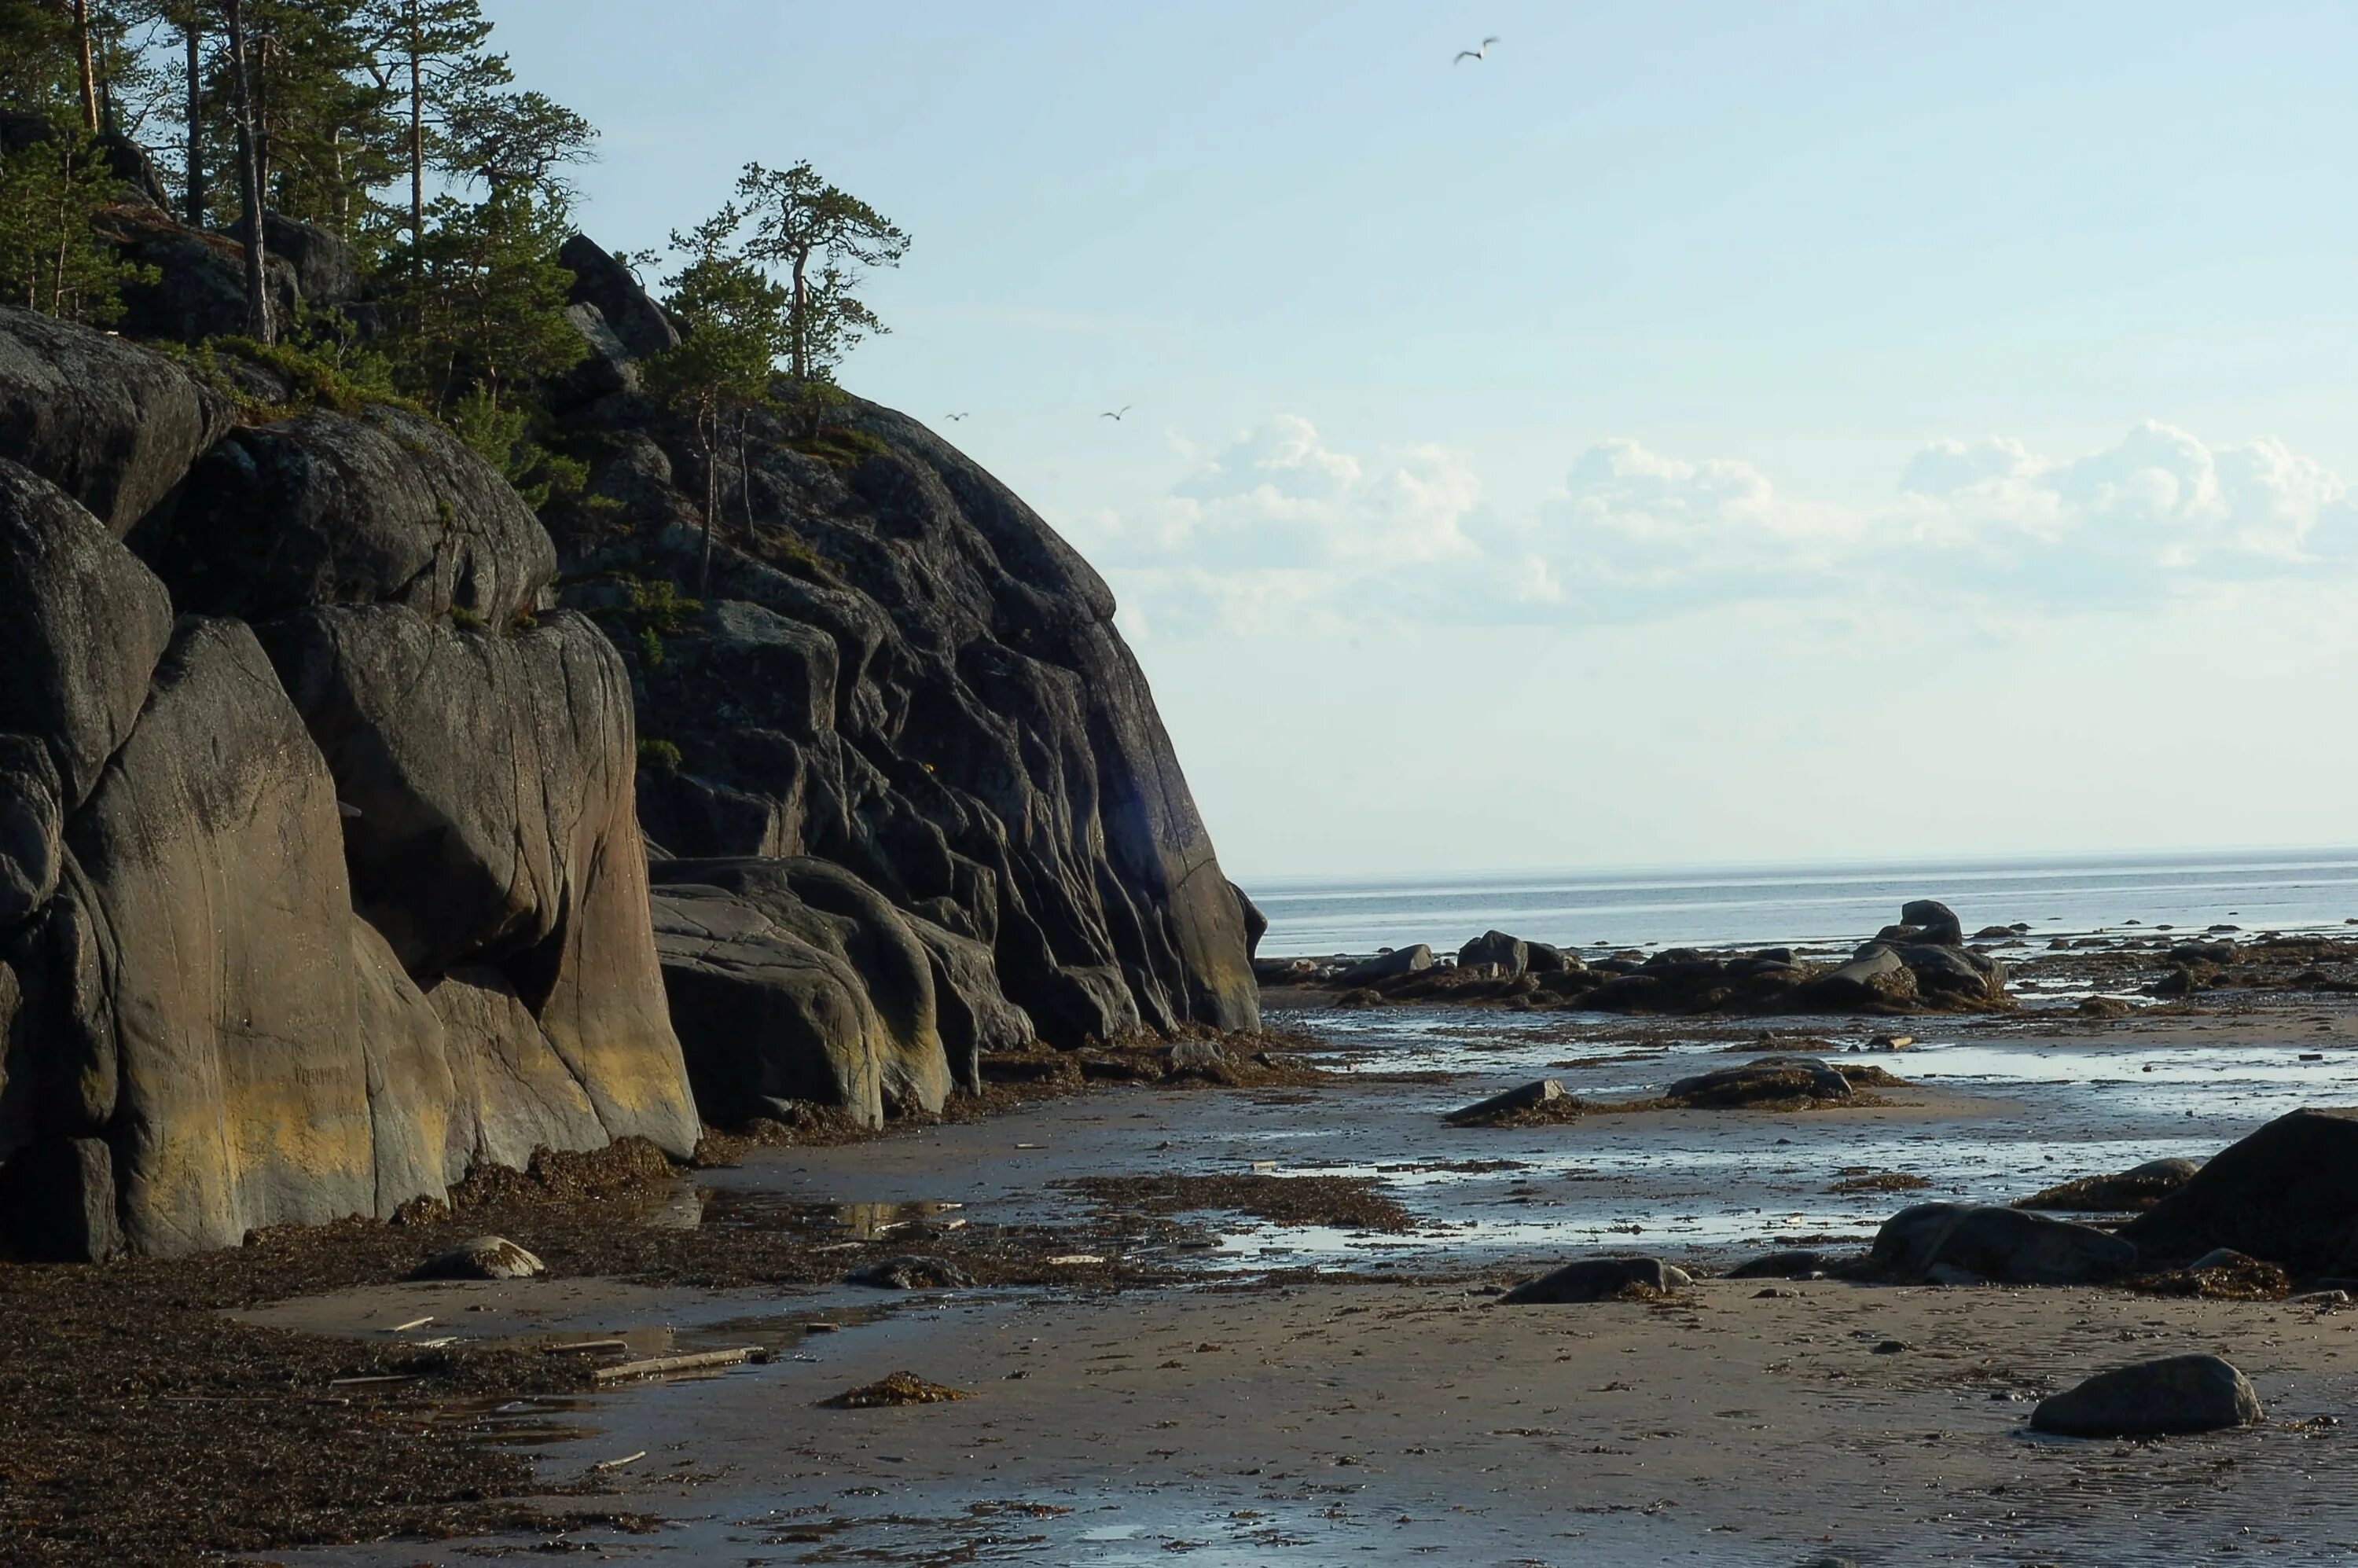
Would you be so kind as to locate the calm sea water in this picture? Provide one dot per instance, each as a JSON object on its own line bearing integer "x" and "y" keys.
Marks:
{"x": 2258, "y": 890}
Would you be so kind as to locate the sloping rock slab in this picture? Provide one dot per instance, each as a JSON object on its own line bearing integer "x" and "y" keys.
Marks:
{"x": 2140, "y": 1187}
{"x": 113, "y": 424}
{"x": 2153, "y": 1399}
{"x": 326, "y": 509}
{"x": 2002, "y": 1246}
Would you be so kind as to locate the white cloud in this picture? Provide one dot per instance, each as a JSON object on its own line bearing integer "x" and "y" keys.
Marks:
{"x": 1282, "y": 525}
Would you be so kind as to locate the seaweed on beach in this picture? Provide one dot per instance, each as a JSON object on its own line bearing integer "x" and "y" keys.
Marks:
{"x": 1345, "y": 1203}
{"x": 892, "y": 1389}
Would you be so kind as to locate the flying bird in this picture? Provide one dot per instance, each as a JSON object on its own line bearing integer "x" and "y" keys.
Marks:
{"x": 1480, "y": 54}
{"x": 1116, "y": 416}
{"x": 952, "y": 416}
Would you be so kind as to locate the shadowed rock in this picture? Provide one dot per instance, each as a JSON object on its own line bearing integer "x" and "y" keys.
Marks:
{"x": 2153, "y": 1399}
{"x": 1794, "y": 1263}
{"x": 1957, "y": 1242}
{"x": 330, "y": 509}
{"x": 2139, "y": 1188}
{"x": 2288, "y": 1193}
{"x": 1597, "y": 1280}
{"x": 1763, "y": 1081}
{"x": 484, "y": 1258}
{"x": 913, "y": 1272}
{"x": 1500, "y": 1107}
{"x": 113, "y": 424}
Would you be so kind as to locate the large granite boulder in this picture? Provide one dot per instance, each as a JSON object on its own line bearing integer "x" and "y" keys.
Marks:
{"x": 2175, "y": 1395}
{"x": 487, "y": 781}
{"x": 2286, "y": 1192}
{"x": 791, "y": 980}
{"x": 325, "y": 508}
{"x": 215, "y": 862}
{"x": 327, "y": 269}
{"x": 113, "y": 424}
{"x": 624, "y": 307}
{"x": 904, "y": 671}
{"x": 81, "y": 626}
{"x": 198, "y": 287}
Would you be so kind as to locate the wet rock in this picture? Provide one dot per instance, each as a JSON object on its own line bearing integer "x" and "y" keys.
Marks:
{"x": 1995, "y": 934}
{"x": 2286, "y": 1192}
{"x": 483, "y": 1257}
{"x": 1933, "y": 921}
{"x": 333, "y": 509}
{"x": 1598, "y": 1280}
{"x": 1501, "y": 1107}
{"x": 113, "y": 424}
{"x": 2002, "y": 1246}
{"x": 1875, "y": 978}
{"x": 2138, "y": 1188}
{"x": 2153, "y": 1399}
{"x": 2192, "y": 953}
{"x": 911, "y": 1272}
{"x": 1765, "y": 1080}
{"x": 1542, "y": 958}
{"x": 2103, "y": 1007}
{"x": 1794, "y": 1263}
{"x": 1388, "y": 965}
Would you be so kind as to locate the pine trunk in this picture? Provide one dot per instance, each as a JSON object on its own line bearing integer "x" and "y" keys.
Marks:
{"x": 87, "y": 65}
{"x": 249, "y": 184}
{"x": 194, "y": 35}
{"x": 417, "y": 133}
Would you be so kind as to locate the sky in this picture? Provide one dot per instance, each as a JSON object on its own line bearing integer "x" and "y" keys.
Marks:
{"x": 1695, "y": 433}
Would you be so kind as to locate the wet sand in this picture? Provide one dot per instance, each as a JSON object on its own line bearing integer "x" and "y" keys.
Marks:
{"x": 1307, "y": 1394}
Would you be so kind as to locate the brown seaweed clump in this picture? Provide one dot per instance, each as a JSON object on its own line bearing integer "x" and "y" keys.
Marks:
{"x": 2234, "y": 1277}
{"x": 893, "y": 1389}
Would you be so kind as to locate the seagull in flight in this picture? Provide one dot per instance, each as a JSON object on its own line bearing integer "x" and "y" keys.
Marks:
{"x": 952, "y": 416}
{"x": 1481, "y": 54}
{"x": 1115, "y": 416}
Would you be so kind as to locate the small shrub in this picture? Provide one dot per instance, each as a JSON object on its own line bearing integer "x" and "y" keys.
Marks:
{"x": 660, "y": 755}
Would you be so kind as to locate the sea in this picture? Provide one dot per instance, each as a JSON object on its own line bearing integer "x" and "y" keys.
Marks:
{"x": 2262, "y": 891}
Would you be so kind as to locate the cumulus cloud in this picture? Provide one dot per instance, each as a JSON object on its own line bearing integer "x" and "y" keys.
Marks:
{"x": 1282, "y": 524}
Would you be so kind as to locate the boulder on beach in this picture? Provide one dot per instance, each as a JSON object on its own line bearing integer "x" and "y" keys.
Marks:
{"x": 1763, "y": 1081}
{"x": 2286, "y": 1192}
{"x": 914, "y": 1271}
{"x": 1390, "y": 963}
{"x": 1511, "y": 955}
{"x": 1598, "y": 1280}
{"x": 2153, "y": 1399}
{"x": 2139, "y": 1188}
{"x": 484, "y": 1258}
{"x": 1954, "y": 1242}
{"x": 1793, "y": 1263}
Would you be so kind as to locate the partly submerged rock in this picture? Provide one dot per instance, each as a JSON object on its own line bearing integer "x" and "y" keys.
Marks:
{"x": 483, "y": 1257}
{"x": 1598, "y": 1280}
{"x": 2153, "y": 1399}
{"x": 1388, "y": 965}
{"x": 1508, "y": 1104}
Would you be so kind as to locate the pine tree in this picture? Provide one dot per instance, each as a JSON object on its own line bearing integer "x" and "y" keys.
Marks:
{"x": 429, "y": 53}
{"x": 822, "y": 235}
{"x": 49, "y": 261}
{"x": 480, "y": 307}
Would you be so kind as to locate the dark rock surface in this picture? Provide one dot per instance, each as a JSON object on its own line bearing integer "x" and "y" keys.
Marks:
{"x": 113, "y": 424}
{"x": 2153, "y": 1399}
{"x": 1955, "y": 1242}
{"x": 81, "y": 627}
{"x": 1499, "y": 1107}
{"x": 198, "y": 291}
{"x": 1411, "y": 960}
{"x": 483, "y": 1257}
{"x": 2139, "y": 1188}
{"x": 1763, "y": 1081}
{"x": 2288, "y": 1193}
{"x": 1512, "y": 955}
{"x": 1793, "y": 1263}
{"x": 914, "y": 1271}
{"x": 623, "y": 306}
{"x": 1597, "y": 1280}
{"x": 906, "y": 673}
{"x": 326, "y": 509}
{"x": 326, "y": 271}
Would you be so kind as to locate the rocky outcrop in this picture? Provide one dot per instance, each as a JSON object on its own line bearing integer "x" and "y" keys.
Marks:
{"x": 2153, "y": 1399}
{"x": 197, "y": 289}
{"x": 904, "y": 672}
{"x": 113, "y": 424}
{"x": 1952, "y": 1243}
{"x": 328, "y": 509}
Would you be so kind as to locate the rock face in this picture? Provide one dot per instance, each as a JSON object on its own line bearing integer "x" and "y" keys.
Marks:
{"x": 1959, "y": 1242}
{"x": 324, "y": 509}
{"x": 2289, "y": 1193}
{"x": 113, "y": 426}
{"x": 223, "y": 911}
{"x": 2153, "y": 1399}
{"x": 904, "y": 672}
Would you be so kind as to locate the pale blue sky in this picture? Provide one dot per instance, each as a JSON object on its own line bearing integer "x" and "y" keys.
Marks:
{"x": 1709, "y": 432}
